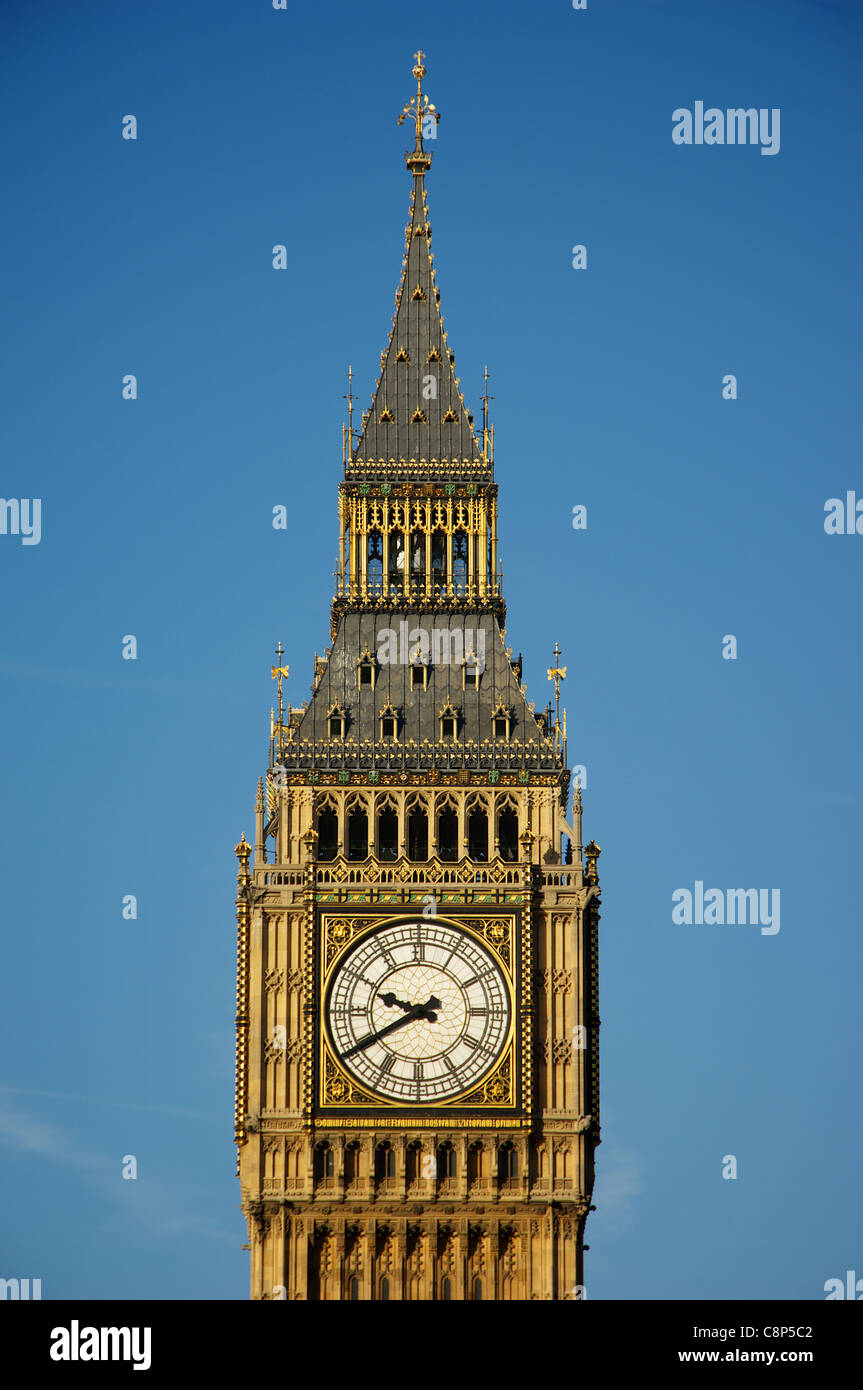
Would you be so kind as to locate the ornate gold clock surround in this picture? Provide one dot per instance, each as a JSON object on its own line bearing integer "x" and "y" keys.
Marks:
{"x": 503, "y": 1089}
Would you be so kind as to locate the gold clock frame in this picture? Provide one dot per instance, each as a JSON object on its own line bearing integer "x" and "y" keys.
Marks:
{"x": 504, "y": 1089}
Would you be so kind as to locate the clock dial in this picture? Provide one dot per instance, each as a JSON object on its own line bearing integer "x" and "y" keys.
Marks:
{"x": 419, "y": 1012}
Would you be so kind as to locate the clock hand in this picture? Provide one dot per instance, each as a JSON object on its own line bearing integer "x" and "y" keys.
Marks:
{"x": 390, "y": 999}
{"x": 390, "y": 1028}
{"x": 416, "y": 1011}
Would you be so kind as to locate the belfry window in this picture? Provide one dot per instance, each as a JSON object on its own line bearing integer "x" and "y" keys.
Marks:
{"x": 388, "y": 834}
{"x": 358, "y": 834}
{"x": 418, "y": 835}
{"x": 396, "y": 560}
{"x": 507, "y": 835}
{"x": 438, "y": 558}
{"x": 447, "y": 835}
{"x": 375, "y": 566}
{"x": 459, "y": 562}
{"x": 418, "y": 554}
{"x": 477, "y": 836}
{"x": 328, "y": 833}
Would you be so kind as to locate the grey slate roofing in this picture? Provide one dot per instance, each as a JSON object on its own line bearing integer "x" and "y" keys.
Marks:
{"x": 418, "y": 710}
{"x": 418, "y": 334}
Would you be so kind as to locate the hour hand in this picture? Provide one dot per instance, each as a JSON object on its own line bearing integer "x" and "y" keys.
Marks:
{"x": 390, "y": 999}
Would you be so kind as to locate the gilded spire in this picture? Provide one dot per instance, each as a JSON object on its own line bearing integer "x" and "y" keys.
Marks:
{"x": 421, "y": 110}
{"x": 418, "y": 425}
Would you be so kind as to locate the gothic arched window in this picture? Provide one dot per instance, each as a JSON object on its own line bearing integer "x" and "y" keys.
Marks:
{"x": 508, "y": 1162}
{"x": 459, "y": 562}
{"x": 375, "y": 569}
{"x": 352, "y": 1162}
{"x": 447, "y": 835}
{"x": 325, "y": 1164}
{"x": 447, "y": 1163}
{"x": 396, "y": 560}
{"x": 385, "y": 1161}
{"x": 358, "y": 834}
{"x": 507, "y": 834}
{"x": 388, "y": 834}
{"x": 328, "y": 833}
{"x": 418, "y": 835}
{"x": 438, "y": 556}
{"x": 477, "y": 836}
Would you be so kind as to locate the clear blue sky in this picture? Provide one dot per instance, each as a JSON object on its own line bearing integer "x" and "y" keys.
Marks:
{"x": 705, "y": 518}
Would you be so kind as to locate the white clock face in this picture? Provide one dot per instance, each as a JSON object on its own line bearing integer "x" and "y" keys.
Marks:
{"x": 419, "y": 1012}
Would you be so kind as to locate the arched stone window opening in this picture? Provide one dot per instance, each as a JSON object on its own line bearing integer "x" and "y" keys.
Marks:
{"x": 352, "y": 1163}
{"x": 459, "y": 562}
{"x": 413, "y": 1162}
{"x": 396, "y": 561}
{"x": 388, "y": 834}
{"x": 447, "y": 1162}
{"x": 438, "y": 556}
{"x": 475, "y": 1163}
{"x": 358, "y": 834}
{"x": 325, "y": 1162}
{"x": 385, "y": 1161}
{"x": 507, "y": 1162}
{"x": 477, "y": 836}
{"x": 375, "y": 563}
{"x": 418, "y": 835}
{"x": 328, "y": 833}
{"x": 447, "y": 835}
{"x": 507, "y": 835}
{"x": 418, "y": 557}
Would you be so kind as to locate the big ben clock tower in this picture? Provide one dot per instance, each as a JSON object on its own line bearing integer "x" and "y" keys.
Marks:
{"x": 417, "y": 1101}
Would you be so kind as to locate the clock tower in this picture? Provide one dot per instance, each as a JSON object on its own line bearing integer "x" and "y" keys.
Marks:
{"x": 417, "y": 1087}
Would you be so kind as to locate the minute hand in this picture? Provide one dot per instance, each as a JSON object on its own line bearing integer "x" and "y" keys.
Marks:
{"x": 418, "y": 1011}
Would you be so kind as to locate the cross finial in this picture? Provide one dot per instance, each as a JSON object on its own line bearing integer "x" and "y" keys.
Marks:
{"x": 485, "y": 398}
{"x": 278, "y": 672}
{"x": 420, "y": 109}
{"x": 556, "y": 673}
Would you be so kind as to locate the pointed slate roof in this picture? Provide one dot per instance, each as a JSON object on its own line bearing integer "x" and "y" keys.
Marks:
{"x": 418, "y": 425}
